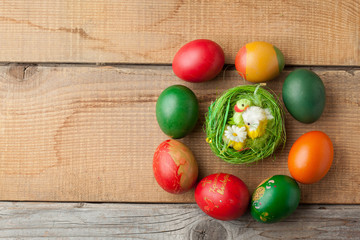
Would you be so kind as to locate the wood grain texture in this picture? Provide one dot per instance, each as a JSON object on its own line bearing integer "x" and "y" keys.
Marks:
{"x": 168, "y": 221}
{"x": 309, "y": 32}
{"x": 88, "y": 133}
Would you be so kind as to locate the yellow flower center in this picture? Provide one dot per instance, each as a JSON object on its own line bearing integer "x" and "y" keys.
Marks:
{"x": 234, "y": 134}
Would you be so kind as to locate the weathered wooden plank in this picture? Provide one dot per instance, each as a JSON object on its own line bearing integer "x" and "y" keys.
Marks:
{"x": 169, "y": 221}
{"x": 89, "y": 133}
{"x": 308, "y": 32}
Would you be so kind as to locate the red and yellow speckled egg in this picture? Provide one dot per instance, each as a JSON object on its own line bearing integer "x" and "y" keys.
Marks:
{"x": 222, "y": 196}
{"x": 259, "y": 62}
{"x": 175, "y": 168}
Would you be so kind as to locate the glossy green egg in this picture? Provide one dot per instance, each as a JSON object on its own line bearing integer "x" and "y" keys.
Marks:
{"x": 275, "y": 198}
{"x": 303, "y": 94}
{"x": 177, "y": 111}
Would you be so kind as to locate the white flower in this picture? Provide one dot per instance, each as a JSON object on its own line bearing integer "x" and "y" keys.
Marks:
{"x": 234, "y": 133}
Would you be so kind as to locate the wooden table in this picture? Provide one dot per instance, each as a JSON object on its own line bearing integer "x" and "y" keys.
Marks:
{"x": 79, "y": 80}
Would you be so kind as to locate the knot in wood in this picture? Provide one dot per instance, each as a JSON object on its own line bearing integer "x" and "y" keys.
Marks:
{"x": 208, "y": 230}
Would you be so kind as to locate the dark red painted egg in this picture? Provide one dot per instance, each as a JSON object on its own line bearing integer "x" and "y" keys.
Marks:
{"x": 175, "y": 168}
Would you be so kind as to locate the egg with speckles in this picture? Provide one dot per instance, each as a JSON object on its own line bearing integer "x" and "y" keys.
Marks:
{"x": 174, "y": 166}
{"x": 222, "y": 196}
{"x": 275, "y": 199}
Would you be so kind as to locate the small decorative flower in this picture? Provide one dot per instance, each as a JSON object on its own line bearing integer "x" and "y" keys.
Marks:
{"x": 235, "y": 137}
{"x": 235, "y": 133}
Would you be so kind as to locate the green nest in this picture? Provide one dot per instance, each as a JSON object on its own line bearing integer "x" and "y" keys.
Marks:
{"x": 220, "y": 115}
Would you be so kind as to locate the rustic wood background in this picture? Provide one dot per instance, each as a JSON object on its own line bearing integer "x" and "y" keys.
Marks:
{"x": 88, "y": 133}
{"x": 308, "y": 32}
{"x": 168, "y": 221}
{"x": 79, "y": 80}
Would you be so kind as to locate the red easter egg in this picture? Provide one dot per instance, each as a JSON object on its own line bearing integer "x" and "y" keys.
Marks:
{"x": 222, "y": 196}
{"x": 175, "y": 168}
{"x": 198, "y": 61}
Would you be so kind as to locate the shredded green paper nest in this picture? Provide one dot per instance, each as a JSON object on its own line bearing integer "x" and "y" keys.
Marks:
{"x": 225, "y": 123}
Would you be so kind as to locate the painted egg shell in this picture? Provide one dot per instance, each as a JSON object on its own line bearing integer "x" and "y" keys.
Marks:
{"x": 222, "y": 196}
{"x": 198, "y": 61}
{"x": 177, "y": 111}
{"x": 303, "y": 94}
{"x": 259, "y": 62}
{"x": 174, "y": 166}
{"x": 311, "y": 157}
{"x": 275, "y": 198}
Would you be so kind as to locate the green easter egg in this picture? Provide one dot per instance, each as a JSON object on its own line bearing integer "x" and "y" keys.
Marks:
{"x": 275, "y": 199}
{"x": 303, "y": 94}
{"x": 177, "y": 111}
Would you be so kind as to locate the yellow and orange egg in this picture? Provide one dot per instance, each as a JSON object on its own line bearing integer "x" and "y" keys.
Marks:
{"x": 259, "y": 62}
